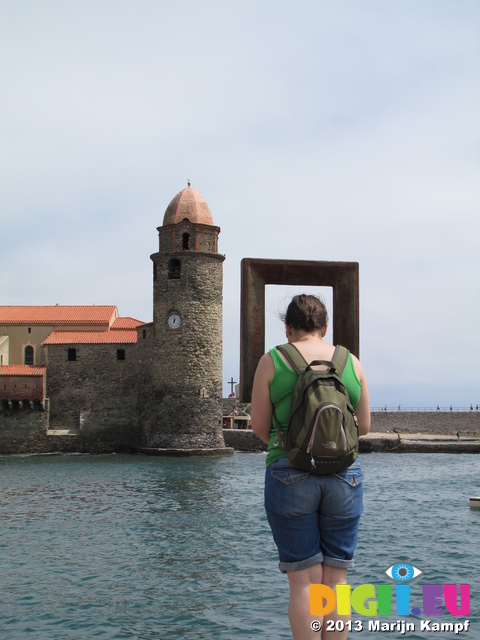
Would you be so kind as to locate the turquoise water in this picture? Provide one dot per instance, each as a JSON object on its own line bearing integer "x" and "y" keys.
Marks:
{"x": 158, "y": 548}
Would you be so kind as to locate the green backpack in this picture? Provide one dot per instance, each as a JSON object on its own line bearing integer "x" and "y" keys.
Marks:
{"x": 322, "y": 433}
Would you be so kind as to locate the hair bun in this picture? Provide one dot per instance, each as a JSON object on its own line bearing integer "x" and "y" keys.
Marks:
{"x": 306, "y": 312}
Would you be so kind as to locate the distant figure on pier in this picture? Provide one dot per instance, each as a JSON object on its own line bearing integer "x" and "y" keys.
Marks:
{"x": 438, "y": 407}
{"x": 458, "y": 435}
{"x": 399, "y": 407}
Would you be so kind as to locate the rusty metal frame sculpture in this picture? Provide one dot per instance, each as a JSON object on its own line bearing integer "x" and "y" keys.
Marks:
{"x": 256, "y": 273}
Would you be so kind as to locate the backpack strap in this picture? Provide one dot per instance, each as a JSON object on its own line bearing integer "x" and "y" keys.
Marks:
{"x": 339, "y": 359}
{"x": 294, "y": 357}
{"x": 299, "y": 364}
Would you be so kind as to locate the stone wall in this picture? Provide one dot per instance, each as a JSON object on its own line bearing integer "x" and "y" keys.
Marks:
{"x": 95, "y": 389}
{"x": 201, "y": 237}
{"x": 22, "y": 387}
{"x": 243, "y": 440}
{"x": 432, "y": 422}
{"x": 181, "y": 388}
{"x": 116, "y": 430}
{"x": 25, "y": 431}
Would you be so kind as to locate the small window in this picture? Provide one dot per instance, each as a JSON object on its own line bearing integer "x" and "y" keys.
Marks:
{"x": 185, "y": 241}
{"x": 174, "y": 269}
{"x": 154, "y": 272}
{"x": 72, "y": 355}
{"x": 120, "y": 354}
{"x": 144, "y": 332}
{"x": 29, "y": 330}
{"x": 29, "y": 355}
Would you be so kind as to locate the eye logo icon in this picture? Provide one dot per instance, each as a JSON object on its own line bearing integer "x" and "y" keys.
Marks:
{"x": 402, "y": 572}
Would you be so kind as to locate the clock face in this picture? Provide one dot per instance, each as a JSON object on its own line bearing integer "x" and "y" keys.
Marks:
{"x": 174, "y": 321}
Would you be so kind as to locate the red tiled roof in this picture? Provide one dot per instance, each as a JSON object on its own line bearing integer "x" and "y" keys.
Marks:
{"x": 58, "y": 314}
{"x": 92, "y": 337}
{"x": 21, "y": 370}
{"x": 125, "y": 323}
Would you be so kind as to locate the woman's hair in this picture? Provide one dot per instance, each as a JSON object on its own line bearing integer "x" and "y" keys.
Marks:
{"x": 306, "y": 312}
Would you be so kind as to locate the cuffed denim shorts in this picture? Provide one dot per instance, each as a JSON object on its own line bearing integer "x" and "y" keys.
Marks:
{"x": 314, "y": 518}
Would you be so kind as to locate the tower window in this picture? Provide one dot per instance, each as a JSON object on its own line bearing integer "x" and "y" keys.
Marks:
{"x": 29, "y": 355}
{"x": 72, "y": 355}
{"x": 185, "y": 241}
{"x": 154, "y": 271}
{"x": 174, "y": 269}
{"x": 120, "y": 354}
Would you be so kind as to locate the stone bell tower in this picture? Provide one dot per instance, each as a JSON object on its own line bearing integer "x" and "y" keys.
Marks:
{"x": 181, "y": 394}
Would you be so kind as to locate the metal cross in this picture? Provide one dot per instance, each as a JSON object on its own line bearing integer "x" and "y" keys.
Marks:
{"x": 231, "y": 383}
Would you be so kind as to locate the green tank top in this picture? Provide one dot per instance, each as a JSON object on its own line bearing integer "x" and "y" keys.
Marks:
{"x": 281, "y": 387}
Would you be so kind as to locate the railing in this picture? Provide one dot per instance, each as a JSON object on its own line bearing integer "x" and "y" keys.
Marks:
{"x": 396, "y": 409}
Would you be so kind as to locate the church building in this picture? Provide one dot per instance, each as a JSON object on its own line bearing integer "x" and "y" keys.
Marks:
{"x": 113, "y": 383}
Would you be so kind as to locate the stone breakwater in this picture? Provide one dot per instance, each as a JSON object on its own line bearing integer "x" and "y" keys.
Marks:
{"x": 28, "y": 431}
{"x": 441, "y": 423}
{"x": 399, "y": 432}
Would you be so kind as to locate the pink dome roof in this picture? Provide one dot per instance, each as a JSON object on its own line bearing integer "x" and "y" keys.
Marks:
{"x": 188, "y": 204}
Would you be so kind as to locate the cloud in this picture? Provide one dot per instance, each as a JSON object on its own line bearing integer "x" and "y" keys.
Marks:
{"x": 320, "y": 131}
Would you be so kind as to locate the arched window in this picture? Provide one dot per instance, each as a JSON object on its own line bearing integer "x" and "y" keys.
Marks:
{"x": 174, "y": 268}
{"x": 29, "y": 355}
{"x": 185, "y": 241}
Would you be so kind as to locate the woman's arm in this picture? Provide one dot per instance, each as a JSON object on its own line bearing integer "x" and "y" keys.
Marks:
{"x": 363, "y": 407}
{"x": 261, "y": 404}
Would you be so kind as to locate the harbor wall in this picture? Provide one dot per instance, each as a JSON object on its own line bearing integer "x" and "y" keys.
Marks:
{"x": 27, "y": 431}
{"x": 433, "y": 423}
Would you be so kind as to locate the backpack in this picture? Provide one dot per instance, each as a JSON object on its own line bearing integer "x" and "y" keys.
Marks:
{"x": 322, "y": 433}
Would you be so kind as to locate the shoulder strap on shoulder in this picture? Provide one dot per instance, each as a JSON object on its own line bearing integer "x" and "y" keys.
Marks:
{"x": 293, "y": 356}
{"x": 339, "y": 359}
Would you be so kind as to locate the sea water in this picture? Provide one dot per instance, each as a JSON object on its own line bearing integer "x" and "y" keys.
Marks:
{"x": 137, "y": 547}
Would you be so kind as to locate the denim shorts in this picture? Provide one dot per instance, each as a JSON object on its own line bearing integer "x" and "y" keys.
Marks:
{"x": 314, "y": 518}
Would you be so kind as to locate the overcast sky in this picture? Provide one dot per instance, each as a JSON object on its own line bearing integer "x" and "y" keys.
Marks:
{"x": 346, "y": 130}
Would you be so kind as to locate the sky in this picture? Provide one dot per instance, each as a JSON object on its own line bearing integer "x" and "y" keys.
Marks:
{"x": 344, "y": 130}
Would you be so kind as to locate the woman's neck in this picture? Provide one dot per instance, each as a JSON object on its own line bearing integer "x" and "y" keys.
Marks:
{"x": 299, "y": 335}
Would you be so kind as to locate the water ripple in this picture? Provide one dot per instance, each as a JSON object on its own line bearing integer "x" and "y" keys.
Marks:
{"x": 134, "y": 547}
